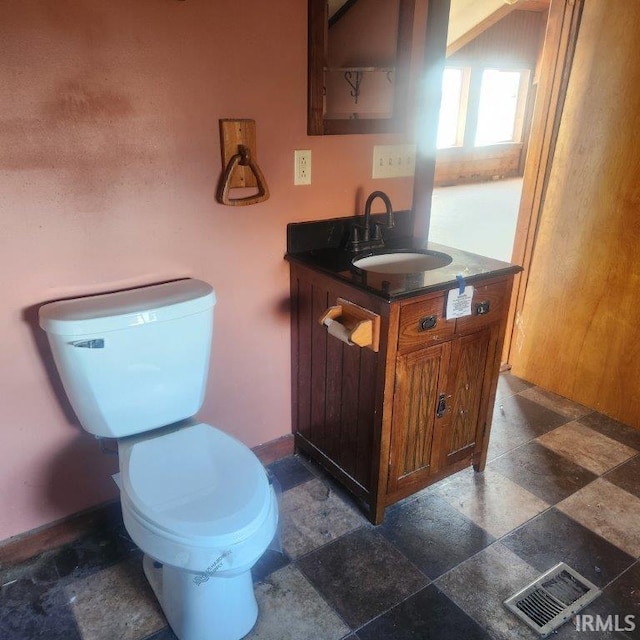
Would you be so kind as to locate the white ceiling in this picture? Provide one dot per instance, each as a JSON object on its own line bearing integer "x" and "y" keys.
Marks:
{"x": 466, "y": 14}
{"x": 334, "y": 5}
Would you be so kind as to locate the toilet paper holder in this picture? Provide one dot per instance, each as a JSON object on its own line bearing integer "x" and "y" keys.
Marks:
{"x": 352, "y": 324}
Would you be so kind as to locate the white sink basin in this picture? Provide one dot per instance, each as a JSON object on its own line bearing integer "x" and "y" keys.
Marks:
{"x": 403, "y": 262}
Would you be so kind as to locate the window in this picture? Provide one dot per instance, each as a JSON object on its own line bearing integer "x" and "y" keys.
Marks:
{"x": 497, "y": 109}
{"x": 451, "y": 125}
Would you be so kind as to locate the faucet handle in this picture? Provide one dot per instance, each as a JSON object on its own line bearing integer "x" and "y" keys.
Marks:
{"x": 356, "y": 237}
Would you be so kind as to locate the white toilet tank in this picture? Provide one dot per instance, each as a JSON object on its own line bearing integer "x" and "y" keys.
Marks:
{"x": 134, "y": 360}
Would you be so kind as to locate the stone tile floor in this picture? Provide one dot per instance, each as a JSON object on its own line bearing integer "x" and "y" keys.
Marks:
{"x": 562, "y": 484}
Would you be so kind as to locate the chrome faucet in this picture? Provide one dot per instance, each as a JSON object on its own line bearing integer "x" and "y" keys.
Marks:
{"x": 366, "y": 237}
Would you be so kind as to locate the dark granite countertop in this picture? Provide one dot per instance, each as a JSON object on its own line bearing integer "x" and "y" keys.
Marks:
{"x": 321, "y": 248}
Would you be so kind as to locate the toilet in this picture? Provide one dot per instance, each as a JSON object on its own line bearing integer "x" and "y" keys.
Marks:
{"x": 197, "y": 502}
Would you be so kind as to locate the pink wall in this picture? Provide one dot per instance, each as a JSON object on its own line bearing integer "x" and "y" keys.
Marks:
{"x": 109, "y": 158}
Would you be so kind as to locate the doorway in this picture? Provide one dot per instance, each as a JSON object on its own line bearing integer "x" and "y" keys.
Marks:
{"x": 488, "y": 91}
{"x": 549, "y": 84}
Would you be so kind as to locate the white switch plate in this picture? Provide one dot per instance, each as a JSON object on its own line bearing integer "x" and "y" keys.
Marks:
{"x": 302, "y": 166}
{"x": 393, "y": 160}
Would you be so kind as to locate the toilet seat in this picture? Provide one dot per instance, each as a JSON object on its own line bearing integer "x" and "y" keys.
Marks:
{"x": 196, "y": 484}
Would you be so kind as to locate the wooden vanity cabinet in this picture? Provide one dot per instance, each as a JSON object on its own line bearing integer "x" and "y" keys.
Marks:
{"x": 388, "y": 424}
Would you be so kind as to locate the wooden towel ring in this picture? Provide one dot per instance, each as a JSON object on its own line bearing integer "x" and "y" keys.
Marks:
{"x": 242, "y": 158}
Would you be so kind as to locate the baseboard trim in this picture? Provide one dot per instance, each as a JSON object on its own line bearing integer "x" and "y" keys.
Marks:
{"x": 274, "y": 449}
{"x": 50, "y": 536}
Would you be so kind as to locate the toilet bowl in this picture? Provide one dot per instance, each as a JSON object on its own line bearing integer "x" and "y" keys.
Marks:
{"x": 206, "y": 523}
{"x": 196, "y": 501}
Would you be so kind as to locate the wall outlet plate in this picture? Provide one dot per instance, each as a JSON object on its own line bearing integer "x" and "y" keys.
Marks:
{"x": 302, "y": 166}
{"x": 394, "y": 160}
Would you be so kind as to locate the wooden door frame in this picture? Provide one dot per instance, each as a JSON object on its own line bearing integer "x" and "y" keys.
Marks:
{"x": 557, "y": 58}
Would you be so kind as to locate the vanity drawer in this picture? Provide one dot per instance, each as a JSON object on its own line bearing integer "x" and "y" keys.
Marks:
{"x": 487, "y": 307}
{"x": 422, "y": 323}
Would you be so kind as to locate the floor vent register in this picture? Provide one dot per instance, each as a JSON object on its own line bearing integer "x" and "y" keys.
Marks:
{"x": 552, "y": 599}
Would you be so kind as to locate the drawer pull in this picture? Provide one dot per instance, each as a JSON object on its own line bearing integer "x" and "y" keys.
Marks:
{"x": 428, "y": 322}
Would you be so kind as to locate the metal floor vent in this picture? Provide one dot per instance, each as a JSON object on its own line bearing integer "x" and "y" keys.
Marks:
{"x": 552, "y": 599}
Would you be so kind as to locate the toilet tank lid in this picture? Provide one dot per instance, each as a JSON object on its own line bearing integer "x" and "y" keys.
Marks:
{"x": 123, "y": 309}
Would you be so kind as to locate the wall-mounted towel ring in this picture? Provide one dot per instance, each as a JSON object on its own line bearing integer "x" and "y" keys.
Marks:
{"x": 238, "y": 146}
{"x": 242, "y": 159}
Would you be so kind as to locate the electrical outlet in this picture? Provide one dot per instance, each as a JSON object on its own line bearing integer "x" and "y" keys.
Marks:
{"x": 393, "y": 160}
{"x": 302, "y": 166}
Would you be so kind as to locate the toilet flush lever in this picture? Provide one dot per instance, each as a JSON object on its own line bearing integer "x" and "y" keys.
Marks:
{"x": 95, "y": 343}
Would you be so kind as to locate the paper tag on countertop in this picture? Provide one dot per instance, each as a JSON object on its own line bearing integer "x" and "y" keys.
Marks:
{"x": 459, "y": 304}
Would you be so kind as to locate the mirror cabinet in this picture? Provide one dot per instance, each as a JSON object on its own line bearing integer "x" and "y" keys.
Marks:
{"x": 358, "y": 67}
{"x": 356, "y": 46}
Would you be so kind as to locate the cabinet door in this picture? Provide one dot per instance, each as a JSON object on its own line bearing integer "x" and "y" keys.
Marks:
{"x": 420, "y": 380}
{"x": 470, "y": 357}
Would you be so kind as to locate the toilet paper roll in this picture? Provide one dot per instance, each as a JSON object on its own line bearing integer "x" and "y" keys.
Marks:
{"x": 338, "y": 330}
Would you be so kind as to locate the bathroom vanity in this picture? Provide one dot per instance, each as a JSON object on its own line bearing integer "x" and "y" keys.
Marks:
{"x": 386, "y": 423}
